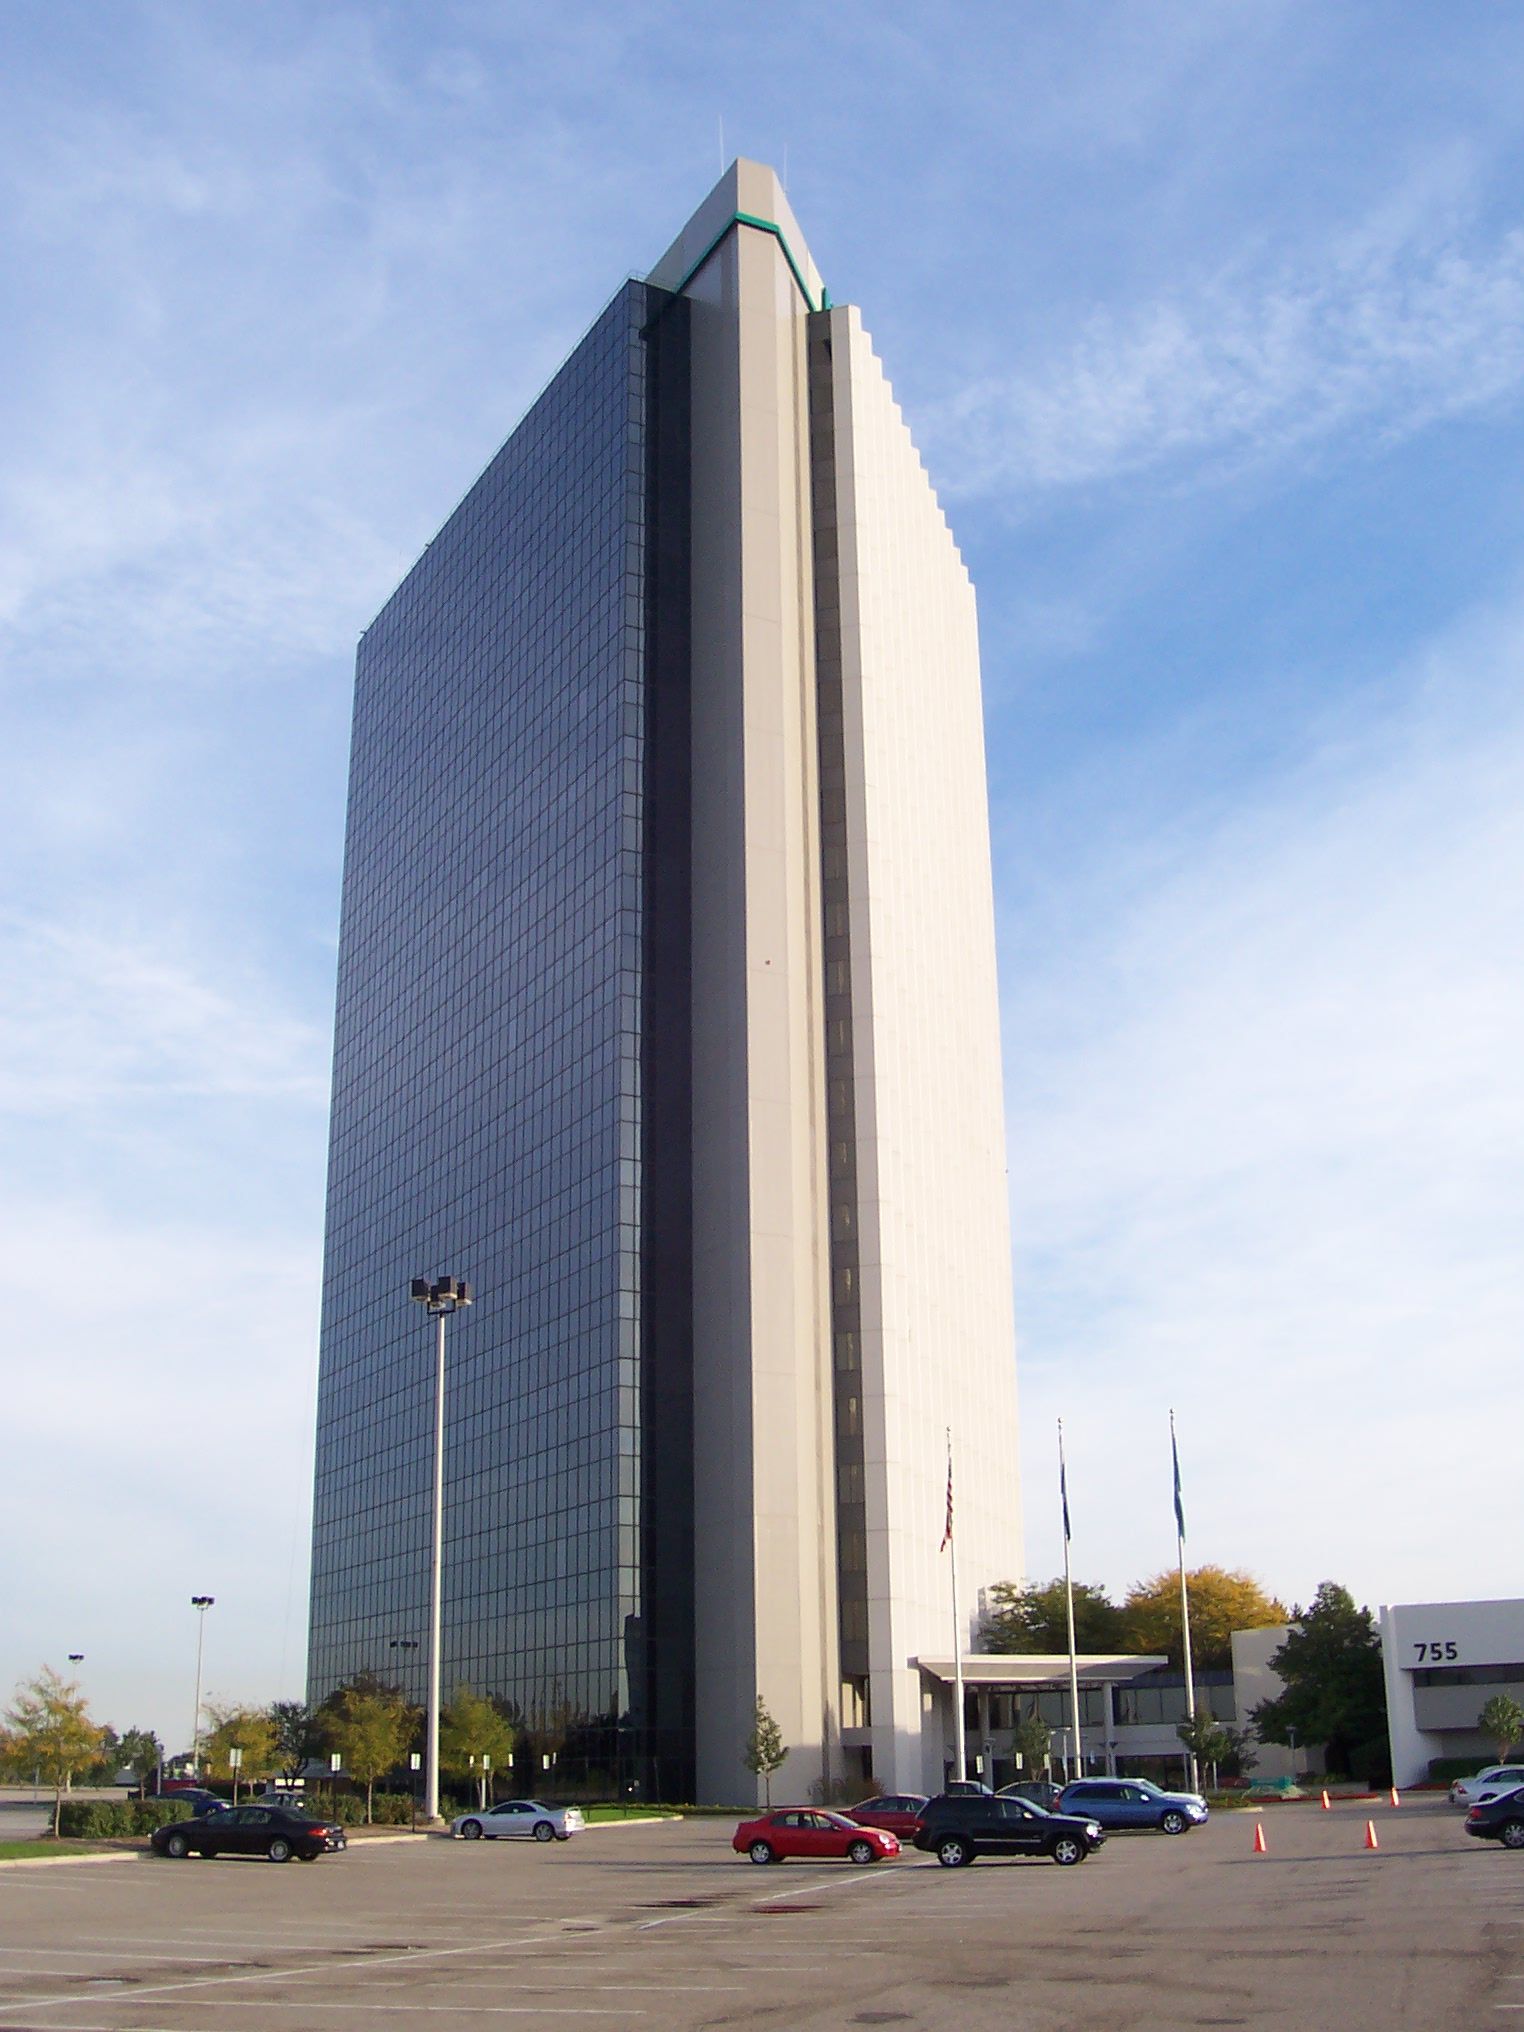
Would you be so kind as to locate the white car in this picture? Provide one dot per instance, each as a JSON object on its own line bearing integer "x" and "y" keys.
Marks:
{"x": 526, "y": 1817}
{"x": 1488, "y": 1784}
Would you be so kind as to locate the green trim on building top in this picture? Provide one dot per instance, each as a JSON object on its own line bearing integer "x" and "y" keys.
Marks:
{"x": 761, "y": 226}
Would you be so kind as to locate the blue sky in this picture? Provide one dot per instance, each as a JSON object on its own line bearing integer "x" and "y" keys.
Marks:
{"x": 1209, "y": 321}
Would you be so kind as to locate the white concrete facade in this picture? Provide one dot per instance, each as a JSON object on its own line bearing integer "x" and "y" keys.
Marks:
{"x": 938, "y": 1338}
{"x": 1443, "y": 1662}
{"x": 765, "y": 1609}
{"x": 937, "y": 1341}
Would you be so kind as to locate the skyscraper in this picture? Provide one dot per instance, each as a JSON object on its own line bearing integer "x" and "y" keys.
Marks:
{"x": 667, "y": 1014}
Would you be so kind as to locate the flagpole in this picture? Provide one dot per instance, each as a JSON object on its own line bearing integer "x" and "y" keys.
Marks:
{"x": 1185, "y": 1601}
{"x": 960, "y": 1748}
{"x": 1078, "y": 1770}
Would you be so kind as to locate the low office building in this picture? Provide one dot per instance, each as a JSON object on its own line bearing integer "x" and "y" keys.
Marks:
{"x": 1130, "y": 1711}
{"x": 1444, "y": 1661}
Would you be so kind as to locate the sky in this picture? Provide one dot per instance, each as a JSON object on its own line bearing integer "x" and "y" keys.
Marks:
{"x": 1209, "y": 322}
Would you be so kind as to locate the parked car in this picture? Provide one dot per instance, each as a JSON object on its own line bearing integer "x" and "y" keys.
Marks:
{"x": 1488, "y": 1784}
{"x": 1500, "y": 1819}
{"x": 273, "y": 1831}
{"x": 965, "y": 1788}
{"x": 813, "y": 1834}
{"x": 1133, "y": 1802}
{"x": 528, "y": 1819}
{"x": 1040, "y": 1791}
{"x": 957, "y": 1827}
{"x": 895, "y": 1812}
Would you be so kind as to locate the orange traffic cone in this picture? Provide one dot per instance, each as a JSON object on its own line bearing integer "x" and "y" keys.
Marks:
{"x": 1326, "y": 1807}
{"x": 1261, "y": 1846}
{"x": 1395, "y": 1800}
{"x": 1370, "y": 1835}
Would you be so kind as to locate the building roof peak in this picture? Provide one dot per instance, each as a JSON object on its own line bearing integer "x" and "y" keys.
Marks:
{"x": 749, "y": 194}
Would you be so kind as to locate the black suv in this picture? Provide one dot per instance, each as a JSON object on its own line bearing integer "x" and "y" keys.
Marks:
{"x": 955, "y": 1830}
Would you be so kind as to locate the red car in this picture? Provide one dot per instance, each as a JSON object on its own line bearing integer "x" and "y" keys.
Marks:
{"x": 810, "y": 1832}
{"x": 895, "y": 1812}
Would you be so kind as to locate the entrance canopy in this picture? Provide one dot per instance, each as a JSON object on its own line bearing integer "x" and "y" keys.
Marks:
{"x": 1015, "y": 1672}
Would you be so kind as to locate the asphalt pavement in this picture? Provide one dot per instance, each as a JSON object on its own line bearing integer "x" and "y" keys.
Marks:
{"x": 661, "y": 1926}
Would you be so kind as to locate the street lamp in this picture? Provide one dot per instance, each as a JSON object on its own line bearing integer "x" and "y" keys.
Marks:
{"x": 200, "y": 1603}
{"x": 439, "y": 1300}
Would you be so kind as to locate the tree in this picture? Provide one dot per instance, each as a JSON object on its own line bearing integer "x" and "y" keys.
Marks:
{"x": 1029, "y": 1618}
{"x": 1032, "y": 1741}
{"x": 1502, "y": 1719}
{"x": 764, "y": 1750}
{"x": 51, "y": 1732}
{"x": 297, "y": 1736}
{"x": 370, "y": 1726}
{"x": 250, "y": 1731}
{"x": 107, "y": 1761}
{"x": 1335, "y": 1690}
{"x": 473, "y": 1729}
{"x": 1222, "y": 1600}
{"x": 141, "y": 1753}
{"x": 1206, "y": 1739}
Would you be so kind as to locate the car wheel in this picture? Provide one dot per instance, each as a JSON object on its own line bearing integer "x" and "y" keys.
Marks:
{"x": 176, "y": 1845}
{"x": 954, "y": 1852}
{"x": 862, "y": 1852}
{"x": 1173, "y": 1823}
{"x": 470, "y": 1830}
{"x": 1068, "y": 1849}
{"x": 1512, "y": 1836}
{"x": 761, "y": 1852}
{"x": 543, "y": 1831}
{"x": 279, "y": 1850}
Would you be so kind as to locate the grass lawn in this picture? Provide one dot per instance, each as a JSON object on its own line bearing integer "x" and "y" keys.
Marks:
{"x": 13, "y": 1851}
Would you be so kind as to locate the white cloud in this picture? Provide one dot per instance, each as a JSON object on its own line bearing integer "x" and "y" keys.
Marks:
{"x": 1267, "y": 1116}
{"x": 1378, "y": 335}
{"x": 147, "y": 1355}
{"x": 90, "y": 1017}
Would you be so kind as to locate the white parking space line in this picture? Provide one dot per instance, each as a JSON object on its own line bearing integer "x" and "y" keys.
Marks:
{"x": 309, "y": 2004}
{"x": 116, "y": 1954}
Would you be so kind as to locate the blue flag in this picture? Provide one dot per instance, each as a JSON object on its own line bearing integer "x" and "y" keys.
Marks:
{"x": 1063, "y": 1495}
{"x": 1179, "y": 1505}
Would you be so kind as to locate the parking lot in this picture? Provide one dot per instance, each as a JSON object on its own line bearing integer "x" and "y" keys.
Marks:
{"x": 662, "y": 1926}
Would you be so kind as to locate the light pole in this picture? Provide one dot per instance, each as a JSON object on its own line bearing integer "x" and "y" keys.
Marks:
{"x": 1291, "y": 1733}
{"x": 200, "y": 1603}
{"x": 439, "y": 1300}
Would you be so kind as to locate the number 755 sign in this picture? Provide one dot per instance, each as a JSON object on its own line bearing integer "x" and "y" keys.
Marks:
{"x": 1432, "y": 1653}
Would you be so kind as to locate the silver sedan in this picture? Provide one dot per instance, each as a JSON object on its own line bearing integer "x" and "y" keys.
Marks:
{"x": 526, "y": 1817}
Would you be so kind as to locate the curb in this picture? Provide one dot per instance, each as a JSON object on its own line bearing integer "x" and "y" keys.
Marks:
{"x": 58, "y": 1862}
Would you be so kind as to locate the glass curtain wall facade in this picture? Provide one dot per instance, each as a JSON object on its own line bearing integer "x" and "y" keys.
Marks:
{"x": 511, "y": 1045}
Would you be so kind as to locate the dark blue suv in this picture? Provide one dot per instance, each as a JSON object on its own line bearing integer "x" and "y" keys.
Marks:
{"x": 1132, "y": 1802}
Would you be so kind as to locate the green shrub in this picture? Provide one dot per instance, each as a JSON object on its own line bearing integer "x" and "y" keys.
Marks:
{"x": 147, "y": 1814}
{"x": 89, "y": 1819}
{"x": 347, "y": 1808}
{"x": 1443, "y": 1769}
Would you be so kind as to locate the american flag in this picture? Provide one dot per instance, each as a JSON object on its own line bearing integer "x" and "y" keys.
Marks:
{"x": 947, "y": 1528}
